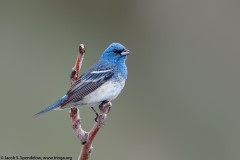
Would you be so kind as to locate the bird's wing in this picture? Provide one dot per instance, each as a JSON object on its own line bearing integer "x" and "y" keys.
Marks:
{"x": 88, "y": 82}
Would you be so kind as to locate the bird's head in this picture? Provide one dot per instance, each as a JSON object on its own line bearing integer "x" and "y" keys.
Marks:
{"x": 115, "y": 52}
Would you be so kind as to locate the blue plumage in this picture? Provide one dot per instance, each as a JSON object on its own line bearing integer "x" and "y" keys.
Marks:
{"x": 103, "y": 81}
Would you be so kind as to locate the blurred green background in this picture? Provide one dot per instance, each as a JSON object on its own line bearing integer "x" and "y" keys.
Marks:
{"x": 181, "y": 100}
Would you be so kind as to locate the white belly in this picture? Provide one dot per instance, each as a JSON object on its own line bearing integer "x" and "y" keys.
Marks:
{"x": 108, "y": 91}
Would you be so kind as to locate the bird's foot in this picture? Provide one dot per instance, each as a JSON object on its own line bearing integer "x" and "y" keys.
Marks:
{"x": 105, "y": 105}
{"x": 104, "y": 110}
{"x": 96, "y": 119}
{"x": 96, "y": 114}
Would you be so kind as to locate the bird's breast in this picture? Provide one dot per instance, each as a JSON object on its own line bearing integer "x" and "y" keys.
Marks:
{"x": 108, "y": 91}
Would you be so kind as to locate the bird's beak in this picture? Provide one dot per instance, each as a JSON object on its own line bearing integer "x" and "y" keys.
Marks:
{"x": 125, "y": 52}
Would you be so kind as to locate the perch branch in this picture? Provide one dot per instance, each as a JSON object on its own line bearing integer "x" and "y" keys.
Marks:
{"x": 77, "y": 67}
{"x": 86, "y": 138}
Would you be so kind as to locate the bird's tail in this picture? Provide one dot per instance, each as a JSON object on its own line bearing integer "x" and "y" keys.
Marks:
{"x": 53, "y": 106}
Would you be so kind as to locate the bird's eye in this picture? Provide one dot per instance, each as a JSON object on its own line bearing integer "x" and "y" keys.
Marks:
{"x": 115, "y": 51}
{"x": 118, "y": 51}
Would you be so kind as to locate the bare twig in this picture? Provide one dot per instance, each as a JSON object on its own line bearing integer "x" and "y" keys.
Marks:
{"x": 76, "y": 124}
{"x": 87, "y": 148}
{"x": 78, "y": 64}
{"x": 86, "y": 138}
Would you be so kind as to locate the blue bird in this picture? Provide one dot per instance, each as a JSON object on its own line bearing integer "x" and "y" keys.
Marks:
{"x": 102, "y": 82}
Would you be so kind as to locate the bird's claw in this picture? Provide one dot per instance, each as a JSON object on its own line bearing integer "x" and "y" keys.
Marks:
{"x": 104, "y": 105}
{"x": 96, "y": 119}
